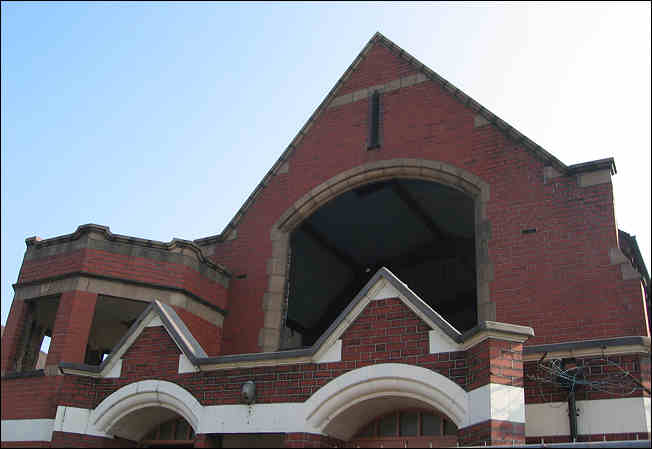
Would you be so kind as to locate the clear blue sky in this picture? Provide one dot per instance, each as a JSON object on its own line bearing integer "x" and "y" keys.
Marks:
{"x": 159, "y": 119}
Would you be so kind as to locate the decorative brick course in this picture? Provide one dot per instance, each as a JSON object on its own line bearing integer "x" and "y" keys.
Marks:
{"x": 311, "y": 440}
{"x": 492, "y": 432}
{"x": 65, "y": 439}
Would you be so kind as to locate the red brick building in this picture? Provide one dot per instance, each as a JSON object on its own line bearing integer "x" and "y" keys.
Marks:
{"x": 411, "y": 271}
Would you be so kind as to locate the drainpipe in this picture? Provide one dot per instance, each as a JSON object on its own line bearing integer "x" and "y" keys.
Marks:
{"x": 571, "y": 373}
{"x": 572, "y": 415}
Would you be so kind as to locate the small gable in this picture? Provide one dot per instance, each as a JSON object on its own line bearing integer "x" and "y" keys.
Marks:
{"x": 387, "y": 321}
{"x": 152, "y": 353}
{"x": 385, "y": 330}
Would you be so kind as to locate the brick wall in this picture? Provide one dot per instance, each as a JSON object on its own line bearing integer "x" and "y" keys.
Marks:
{"x": 495, "y": 361}
{"x": 72, "y": 326}
{"x": 65, "y": 439}
{"x": 12, "y": 335}
{"x": 558, "y": 280}
{"x": 311, "y": 440}
{"x": 30, "y": 398}
{"x": 492, "y": 432}
{"x": 379, "y": 67}
{"x": 207, "y": 334}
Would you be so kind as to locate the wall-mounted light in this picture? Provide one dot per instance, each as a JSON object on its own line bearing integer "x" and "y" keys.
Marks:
{"x": 248, "y": 392}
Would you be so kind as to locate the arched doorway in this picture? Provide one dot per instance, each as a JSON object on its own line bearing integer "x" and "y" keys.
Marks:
{"x": 410, "y": 427}
{"x": 176, "y": 432}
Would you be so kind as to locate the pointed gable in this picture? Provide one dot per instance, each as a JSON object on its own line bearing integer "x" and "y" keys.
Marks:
{"x": 380, "y": 62}
{"x": 379, "y": 65}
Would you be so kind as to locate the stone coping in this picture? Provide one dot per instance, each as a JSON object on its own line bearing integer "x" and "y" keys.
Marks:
{"x": 603, "y": 343}
{"x": 176, "y": 247}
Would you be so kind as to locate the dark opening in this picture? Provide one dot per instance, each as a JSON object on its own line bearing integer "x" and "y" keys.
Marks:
{"x": 112, "y": 319}
{"x": 373, "y": 140}
{"x": 422, "y": 231}
{"x": 38, "y": 325}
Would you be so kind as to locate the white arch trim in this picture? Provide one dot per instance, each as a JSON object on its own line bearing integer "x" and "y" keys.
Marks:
{"x": 387, "y": 380}
{"x": 144, "y": 394}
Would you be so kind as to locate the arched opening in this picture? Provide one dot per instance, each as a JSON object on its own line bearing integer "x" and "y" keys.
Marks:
{"x": 132, "y": 411}
{"x": 342, "y": 407}
{"x": 407, "y": 427}
{"x": 423, "y": 231}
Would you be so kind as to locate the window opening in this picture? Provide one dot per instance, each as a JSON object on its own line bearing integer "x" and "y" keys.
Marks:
{"x": 112, "y": 319}
{"x": 373, "y": 140}
{"x": 36, "y": 334}
{"x": 420, "y": 427}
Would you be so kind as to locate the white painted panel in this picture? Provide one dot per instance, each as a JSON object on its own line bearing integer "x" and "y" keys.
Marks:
{"x": 115, "y": 371}
{"x": 286, "y": 417}
{"x": 479, "y": 404}
{"x": 496, "y": 401}
{"x": 333, "y": 354}
{"x": 440, "y": 342}
{"x": 547, "y": 419}
{"x": 622, "y": 415}
{"x": 387, "y": 292}
{"x": 155, "y": 321}
{"x": 76, "y": 420}
{"x": 186, "y": 366}
{"x": 27, "y": 429}
{"x": 507, "y": 403}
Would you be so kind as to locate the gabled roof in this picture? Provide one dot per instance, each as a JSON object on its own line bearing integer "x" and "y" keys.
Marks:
{"x": 383, "y": 284}
{"x": 378, "y": 38}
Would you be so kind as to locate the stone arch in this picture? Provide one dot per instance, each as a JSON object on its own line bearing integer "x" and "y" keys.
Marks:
{"x": 427, "y": 170}
{"x": 332, "y": 409}
{"x": 130, "y": 411}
